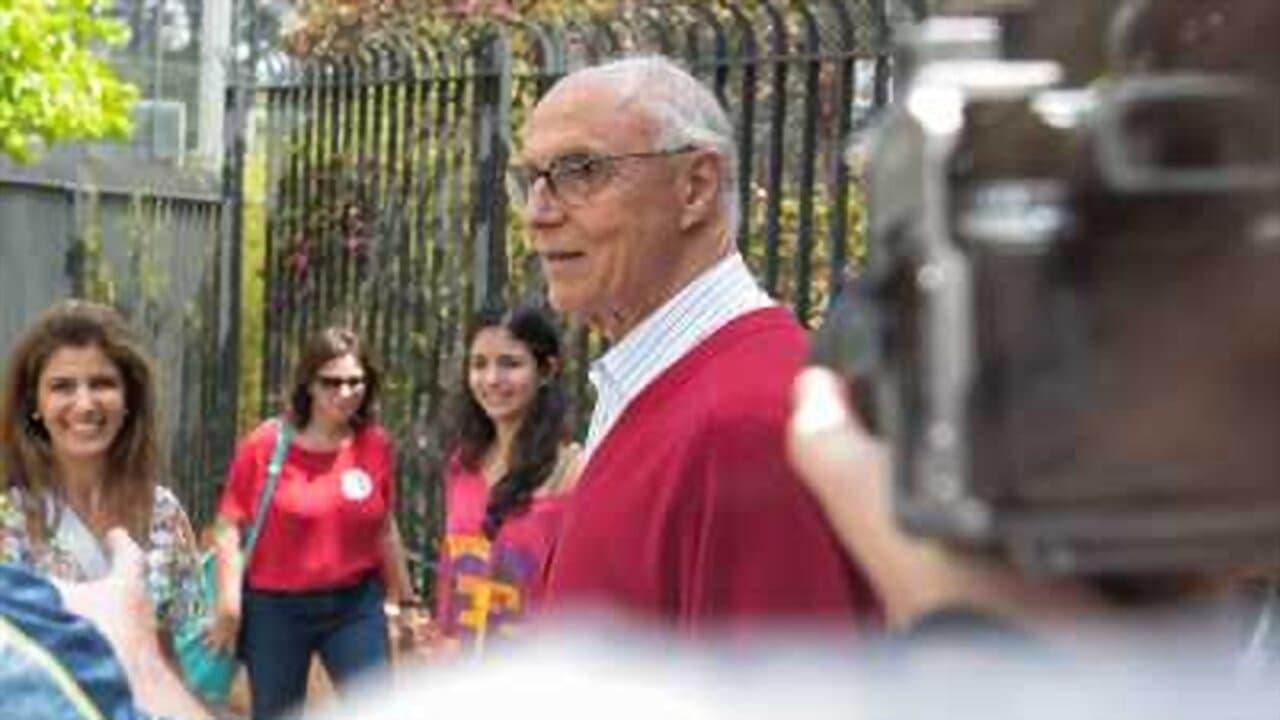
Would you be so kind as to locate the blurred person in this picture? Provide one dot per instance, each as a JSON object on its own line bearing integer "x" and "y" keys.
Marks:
{"x": 78, "y": 442}
{"x": 329, "y": 553}
{"x": 629, "y": 675}
{"x": 54, "y": 665}
{"x": 686, "y": 512}
{"x": 507, "y": 479}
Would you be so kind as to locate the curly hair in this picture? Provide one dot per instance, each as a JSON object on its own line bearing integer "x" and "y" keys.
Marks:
{"x": 537, "y": 443}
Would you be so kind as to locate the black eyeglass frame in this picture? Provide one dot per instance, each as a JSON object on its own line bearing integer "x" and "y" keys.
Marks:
{"x": 522, "y": 178}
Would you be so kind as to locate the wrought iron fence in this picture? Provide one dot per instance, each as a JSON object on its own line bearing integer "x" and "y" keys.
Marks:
{"x": 385, "y": 201}
{"x": 149, "y": 240}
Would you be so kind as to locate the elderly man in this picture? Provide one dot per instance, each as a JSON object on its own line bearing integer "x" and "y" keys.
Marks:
{"x": 686, "y": 511}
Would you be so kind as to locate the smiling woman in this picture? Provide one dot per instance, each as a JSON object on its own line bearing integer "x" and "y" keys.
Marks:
{"x": 511, "y": 470}
{"x": 328, "y": 552}
{"x": 78, "y": 443}
{"x": 80, "y": 396}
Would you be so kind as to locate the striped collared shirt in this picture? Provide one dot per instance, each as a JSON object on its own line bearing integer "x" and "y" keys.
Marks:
{"x": 722, "y": 293}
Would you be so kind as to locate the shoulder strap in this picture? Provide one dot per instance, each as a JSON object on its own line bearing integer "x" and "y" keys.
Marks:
{"x": 284, "y": 438}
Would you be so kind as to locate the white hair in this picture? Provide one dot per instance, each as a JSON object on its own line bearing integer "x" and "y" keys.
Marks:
{"x": 683, "y": 110}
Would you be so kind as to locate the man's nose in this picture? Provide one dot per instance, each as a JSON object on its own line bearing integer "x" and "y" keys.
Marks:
{"x": 541, "y": 206}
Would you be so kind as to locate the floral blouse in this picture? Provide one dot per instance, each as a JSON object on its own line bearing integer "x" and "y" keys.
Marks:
{"x": 173, "y": 561}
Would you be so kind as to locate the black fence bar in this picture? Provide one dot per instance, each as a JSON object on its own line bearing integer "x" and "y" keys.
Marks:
{"x": 778, "y": 90}
{"x": 806, "y": 189}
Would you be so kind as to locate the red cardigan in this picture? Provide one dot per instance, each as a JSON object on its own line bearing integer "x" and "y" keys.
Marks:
{"x": 688, "y": 512}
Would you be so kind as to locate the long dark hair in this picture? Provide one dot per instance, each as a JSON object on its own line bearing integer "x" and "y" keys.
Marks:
{"x": 329, "y": 344}
{"x": 537, "y": 443}
{"x": 26, "y": 452}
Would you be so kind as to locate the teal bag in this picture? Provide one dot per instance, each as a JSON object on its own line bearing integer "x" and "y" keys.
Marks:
{"x": 206, "y": 672}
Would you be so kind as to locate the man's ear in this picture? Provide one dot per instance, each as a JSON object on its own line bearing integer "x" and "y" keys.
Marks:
{"x": 700, "y": 190}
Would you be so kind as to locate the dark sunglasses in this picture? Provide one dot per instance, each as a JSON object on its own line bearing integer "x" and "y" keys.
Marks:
{"x": 329, "y": 382}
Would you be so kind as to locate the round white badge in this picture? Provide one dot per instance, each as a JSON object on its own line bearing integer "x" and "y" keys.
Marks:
{"x": 356, "y": 484}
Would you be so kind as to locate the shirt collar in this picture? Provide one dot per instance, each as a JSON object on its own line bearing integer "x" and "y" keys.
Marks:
{"x": 720, "y": 294}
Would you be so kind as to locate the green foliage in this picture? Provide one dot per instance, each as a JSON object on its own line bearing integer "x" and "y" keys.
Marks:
{"x": 252, "y": 290}
{"x": 819, "y": 257}
{"x": 146, "y": 268}
{"x": 95, "y": 277}
{"x": 53, "y": 88}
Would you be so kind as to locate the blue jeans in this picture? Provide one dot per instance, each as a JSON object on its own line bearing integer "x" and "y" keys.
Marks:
{"x": 280, "y": 631}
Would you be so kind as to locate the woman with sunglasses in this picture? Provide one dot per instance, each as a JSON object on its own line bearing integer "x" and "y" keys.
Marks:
{"x": 328, "y": 553}
{"x": 510, "y": 471}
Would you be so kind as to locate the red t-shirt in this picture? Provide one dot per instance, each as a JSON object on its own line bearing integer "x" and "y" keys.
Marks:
{"x": 688, "y": 513}
{"x": 325, "y": 526}
{"x": 484, "y": 587}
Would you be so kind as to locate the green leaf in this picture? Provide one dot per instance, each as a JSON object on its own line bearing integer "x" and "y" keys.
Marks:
{"x": 54, "y": 84}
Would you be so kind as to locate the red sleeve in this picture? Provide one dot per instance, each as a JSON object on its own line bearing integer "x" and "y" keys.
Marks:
{"x": 245, "y": 478}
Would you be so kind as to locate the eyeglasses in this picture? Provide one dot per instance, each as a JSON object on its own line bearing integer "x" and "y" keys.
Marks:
{"x": 572, "y": 179}
{"x": 333, "y": 383}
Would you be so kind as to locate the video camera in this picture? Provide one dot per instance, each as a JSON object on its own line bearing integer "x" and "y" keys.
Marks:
{"x": 1068, "y": 326}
